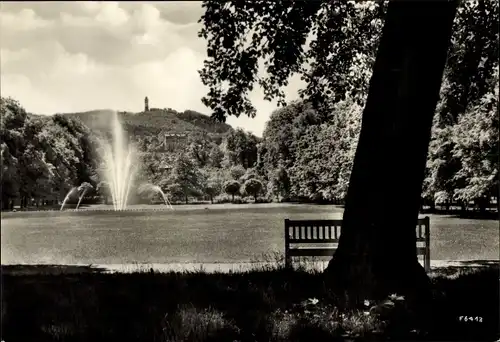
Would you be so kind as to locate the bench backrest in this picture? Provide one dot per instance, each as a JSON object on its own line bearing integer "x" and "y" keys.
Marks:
{"x": 328, "y": 231}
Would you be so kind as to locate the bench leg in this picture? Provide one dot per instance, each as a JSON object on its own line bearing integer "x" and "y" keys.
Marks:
{"x": 427, "y": 262}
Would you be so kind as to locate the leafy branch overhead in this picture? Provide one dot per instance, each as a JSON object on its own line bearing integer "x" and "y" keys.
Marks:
{"x": 331, "y": 45}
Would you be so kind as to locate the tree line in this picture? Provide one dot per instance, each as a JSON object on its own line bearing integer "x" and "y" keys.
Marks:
{"x": 206, "y": 167}
{"x": 307, "y": 154}
{"x": 304, "y": 154}
{"x": 43, "y": 157}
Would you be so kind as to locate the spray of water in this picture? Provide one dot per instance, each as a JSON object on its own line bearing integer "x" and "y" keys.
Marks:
{"x": 119, "y": 170}
{"x": 68, "y": 195}
{"x": 81, "y": 196}
{"x": 83, "y": 188}
{"x": 151, "y": 188}
{"x": 165, "y": 198}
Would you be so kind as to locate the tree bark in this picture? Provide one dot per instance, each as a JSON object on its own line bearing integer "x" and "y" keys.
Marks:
{"x": 376, "y": 255}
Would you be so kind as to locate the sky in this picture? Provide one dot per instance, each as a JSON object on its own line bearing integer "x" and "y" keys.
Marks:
{"x": 60, "y": 57}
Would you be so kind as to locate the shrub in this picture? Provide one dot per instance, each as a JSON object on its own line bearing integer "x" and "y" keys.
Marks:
{"x": 232, "y": 188}
{"x": 254, "y": 187}
{"x": 237, "y": 172}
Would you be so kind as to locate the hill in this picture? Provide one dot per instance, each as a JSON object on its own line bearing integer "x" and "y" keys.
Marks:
{"x": 155, "y": 121}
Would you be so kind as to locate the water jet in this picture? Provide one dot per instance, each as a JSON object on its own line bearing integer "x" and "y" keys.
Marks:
{"x": 119, "y": 171}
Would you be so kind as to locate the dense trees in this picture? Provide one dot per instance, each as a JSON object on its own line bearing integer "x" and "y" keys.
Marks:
{"x": 469, "y": 85}
{"x": 42, "y": 157}
{"x": 184, "y": 178}
{"x": 315, "y": 163}
{"x": 241, "y": 148}
{"x": 317, "y": 153}
{"x": 202, "y": 163}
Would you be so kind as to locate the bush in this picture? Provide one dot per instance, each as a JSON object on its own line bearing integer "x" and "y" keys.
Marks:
{"x": 237, "y": 172}
{"x": 224, "y": 198}
{"x": 254, "y": 187}
{"x": 232, "y": 188}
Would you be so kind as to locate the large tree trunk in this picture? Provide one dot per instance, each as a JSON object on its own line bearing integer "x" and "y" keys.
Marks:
{"x": 376, "y": 255}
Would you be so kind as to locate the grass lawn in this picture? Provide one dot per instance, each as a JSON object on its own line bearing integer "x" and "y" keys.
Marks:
{"x": 192, "y": 234}
{"x": 55, "y": 303}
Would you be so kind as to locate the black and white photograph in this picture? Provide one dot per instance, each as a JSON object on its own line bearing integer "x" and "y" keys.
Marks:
{"x": 250, "y": 171}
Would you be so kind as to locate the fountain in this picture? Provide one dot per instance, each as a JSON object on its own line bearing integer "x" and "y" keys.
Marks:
{"x": 119, "y": 171}
{"x": 70, "y": 192}
{"x": 84, "y": 187}
{"x": 147, "y": 187}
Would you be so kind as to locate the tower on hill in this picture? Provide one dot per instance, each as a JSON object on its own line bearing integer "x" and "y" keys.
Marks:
{"x": 146, "y": 104}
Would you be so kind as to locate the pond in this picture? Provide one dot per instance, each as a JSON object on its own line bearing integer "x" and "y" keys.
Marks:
{"x": 198, "y": 234}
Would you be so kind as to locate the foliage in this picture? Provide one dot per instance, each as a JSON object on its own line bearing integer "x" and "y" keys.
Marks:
{"x": 216, "y": 156}
{"x": 240, "y": 34}
{"x": 472, "y": 59}
{"x": 185, "y": 177}
{"x": 250, "y": 173}
{"x": 237, "y": 172}
{"x": 232, "y": 188}
{"x": 241, "y": 148}
{"x": 43, "y": 157}
{"x": 317, "y": 161}
{"x": 84, "y": 187}
{"x": 212, "y": 181}
{"x": 199, "y": 148}
{"x": 308, "y": 146}
{"x": 253, "y": 186}
{"x": 279, "y": 183}
{"x": 332, "y": 45}
{"x": 475, "y": 139}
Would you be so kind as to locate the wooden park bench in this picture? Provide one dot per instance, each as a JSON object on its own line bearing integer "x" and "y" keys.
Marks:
{"x": 302, "y": 234}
